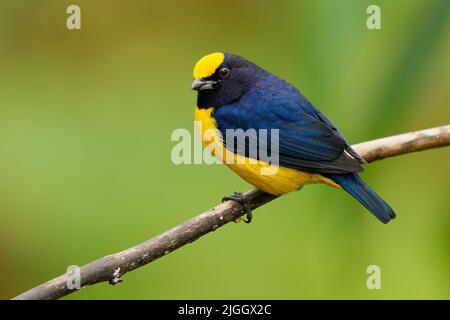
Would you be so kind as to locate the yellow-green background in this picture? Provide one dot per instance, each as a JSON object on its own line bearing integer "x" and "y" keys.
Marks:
{"x": 85, "y": 124}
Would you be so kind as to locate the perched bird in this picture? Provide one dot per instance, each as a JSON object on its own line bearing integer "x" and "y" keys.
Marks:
{"x": 234, "y": 93}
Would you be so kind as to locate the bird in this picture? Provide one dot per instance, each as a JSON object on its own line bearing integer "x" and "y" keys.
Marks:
{"x": 234, "y": 93}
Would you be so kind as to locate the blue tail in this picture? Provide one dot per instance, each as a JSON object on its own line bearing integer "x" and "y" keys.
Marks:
{"x": 354, "y": 185}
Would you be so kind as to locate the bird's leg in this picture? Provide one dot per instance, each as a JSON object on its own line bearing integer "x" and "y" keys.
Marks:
{"x": 244, "y": 202}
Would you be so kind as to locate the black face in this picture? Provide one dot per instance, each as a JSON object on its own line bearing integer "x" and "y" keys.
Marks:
{"x": 227, "y": 85}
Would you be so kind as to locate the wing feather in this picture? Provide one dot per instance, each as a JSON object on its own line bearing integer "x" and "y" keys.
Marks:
{"x": 308, "y": 140}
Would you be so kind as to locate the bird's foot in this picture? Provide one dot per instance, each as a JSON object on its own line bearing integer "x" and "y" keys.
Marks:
{"x": 244, "y": 202}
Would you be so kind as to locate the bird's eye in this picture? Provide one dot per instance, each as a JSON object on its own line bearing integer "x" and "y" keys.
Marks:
{"x": 224, "y": 72}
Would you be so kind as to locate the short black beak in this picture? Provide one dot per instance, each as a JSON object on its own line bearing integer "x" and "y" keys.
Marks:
{"x": 200, "y": 84}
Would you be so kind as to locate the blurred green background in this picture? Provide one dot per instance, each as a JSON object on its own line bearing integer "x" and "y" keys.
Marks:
{"x": 85, "y": 124}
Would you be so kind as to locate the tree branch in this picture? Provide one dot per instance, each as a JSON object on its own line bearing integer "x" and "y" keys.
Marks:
{"x": 112, "y": 267}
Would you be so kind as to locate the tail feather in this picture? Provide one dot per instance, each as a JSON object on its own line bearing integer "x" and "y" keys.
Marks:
{"x": 356, "y": 187}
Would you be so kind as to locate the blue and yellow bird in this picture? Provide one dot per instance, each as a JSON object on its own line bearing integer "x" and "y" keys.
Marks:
{"x": 234, "y": 93}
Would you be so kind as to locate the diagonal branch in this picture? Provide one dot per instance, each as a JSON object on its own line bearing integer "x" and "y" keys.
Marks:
{"x": 112, "y": 267}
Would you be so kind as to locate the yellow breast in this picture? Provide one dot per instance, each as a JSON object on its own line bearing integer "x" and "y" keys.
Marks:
{"x": 283, "y": 181}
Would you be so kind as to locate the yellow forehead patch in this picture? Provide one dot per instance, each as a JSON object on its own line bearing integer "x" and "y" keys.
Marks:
{"x": 207, "y": 65}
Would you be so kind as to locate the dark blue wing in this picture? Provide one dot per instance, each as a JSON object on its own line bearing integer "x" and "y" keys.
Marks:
{"x": 307, "y": 139}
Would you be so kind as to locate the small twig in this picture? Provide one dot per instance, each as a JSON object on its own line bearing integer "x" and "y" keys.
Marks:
{"x": 112, "y": 267}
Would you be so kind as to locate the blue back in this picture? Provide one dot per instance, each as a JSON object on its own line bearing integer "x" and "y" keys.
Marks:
{"x": 307, "y": 139}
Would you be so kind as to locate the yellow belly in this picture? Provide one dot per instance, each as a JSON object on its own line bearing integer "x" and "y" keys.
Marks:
{"x": 283, "y": 181}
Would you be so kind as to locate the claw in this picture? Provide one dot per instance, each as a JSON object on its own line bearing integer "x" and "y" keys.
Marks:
{"x": 244, "y": 202}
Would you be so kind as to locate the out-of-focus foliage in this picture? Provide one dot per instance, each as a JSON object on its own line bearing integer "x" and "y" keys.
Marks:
{"x": 85, "y": 124}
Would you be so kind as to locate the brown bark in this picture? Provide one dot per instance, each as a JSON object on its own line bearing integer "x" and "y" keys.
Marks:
{"x": 112, "y": 267}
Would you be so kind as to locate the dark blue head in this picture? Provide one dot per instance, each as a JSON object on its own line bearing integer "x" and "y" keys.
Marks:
{"x": 222, "y": 78}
